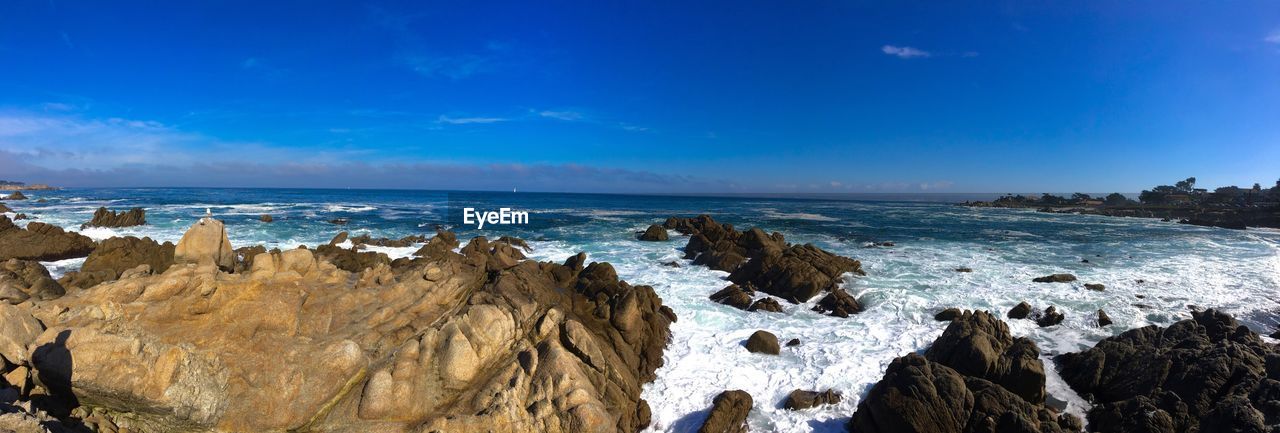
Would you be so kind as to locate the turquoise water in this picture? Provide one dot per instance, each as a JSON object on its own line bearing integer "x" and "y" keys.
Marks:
{"x": 1170, "y": 266}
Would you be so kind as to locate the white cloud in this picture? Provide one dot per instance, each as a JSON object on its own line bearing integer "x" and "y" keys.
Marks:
{"x": 1274, "y": 37}
{"x": 570, "y": 116}
{"x": 469, "y": 120}
{"x": 904, "y": 52}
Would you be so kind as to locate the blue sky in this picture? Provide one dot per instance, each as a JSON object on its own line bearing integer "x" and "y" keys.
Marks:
{"x": 742, "y": 96}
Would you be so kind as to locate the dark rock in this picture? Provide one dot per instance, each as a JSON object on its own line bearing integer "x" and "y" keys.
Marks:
{"x": 19, "y": 217}
{"x": 340, "y": 221}
{"x": 339, "y": 238}
{"x": 1020, "y": 311}
{"x": 947, "y": 314}
{"x": 4, "y": 208}
{"x": 1055, "y": 278}
{"x": 978, "y": 344}
{"x": 793, "y": 342}
{"x": 245, "y": 256}
{"x": 801, "y": 399}
{"x": 107, "y": 218}
{"x": 1207, "y": 373}
{"x": 350, "y": 259}
{"x": 41, "y": 242}
{"x": 735, "y": 296}
{"x": 766, "y": 304}
{"x": 654, "y": 233}
{"x": 964, "y": 270}
{"x": 16, "y": 195}
{"x": 838, "y": 303}
{"x": 365, "y": 239}
{"x": 671, "y": 264}
{"x": 21, "y": 280}
{"x": 763, "y": 342}
{"x": 1050, "y": 317}
{"x": 119, "y": 254}
{"x": 1103, "y": 319}
{"x": 1095, "y": 287}
{"x": 728, "y": 413}
{"x": 1084, "y": 260}
{"x": 265, "y": 218}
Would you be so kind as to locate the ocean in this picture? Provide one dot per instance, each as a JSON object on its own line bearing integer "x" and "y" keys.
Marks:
{"x": 1155, "y": 273}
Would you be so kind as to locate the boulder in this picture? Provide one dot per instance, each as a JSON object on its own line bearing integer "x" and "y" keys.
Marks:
{"x": 978, "y": 344}
{"x": 116, "y": 255}
{"x": 801, "y": 399}
{"x": 41, "y": 242}
{"x": 1020, "y": 311}
{"x": 1103, "y": 319}
{"x": 763, "y": 342}
{"x": 1055, "y": 278}
{"x": 735, "y": 296}
{"x": 16, "y": 195}
{"x": 793, "y": 342}
{"x": 838, "y": 303}
{"x": 18, "y": 329}
{"x": 766, "y": 304}
{"x": 1095, "y": 287}
{"x": 107, "y": 218}
{"x": 1207, "y": 373}
{"x": 947, "y": 314}
{"x": 265, "y": 218}
{"x": 442, "y": 344}
{"x": 1050, "y": 317}
{"x": 205, "y": 242}
{"x": 21, "y": 280}
{"x": 654, "y": 233}
{"x": 728, "y": 413}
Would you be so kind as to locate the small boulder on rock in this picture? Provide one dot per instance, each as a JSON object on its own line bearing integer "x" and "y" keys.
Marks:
{"x": 205, "y": 242}
{"x": 763, "y": 342}
{"x": 655, "y": 232}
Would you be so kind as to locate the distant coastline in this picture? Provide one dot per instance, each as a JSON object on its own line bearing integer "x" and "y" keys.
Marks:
{"x": 6, "y": 185}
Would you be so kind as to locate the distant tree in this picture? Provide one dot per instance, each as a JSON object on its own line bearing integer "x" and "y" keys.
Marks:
{"x": 1257, "y": 188}
{"x": 1080, "y": 197}
{"x": 1187, "y": 185}
{"x": 1116, "y": 199}
{"x": 1051, "y": 199}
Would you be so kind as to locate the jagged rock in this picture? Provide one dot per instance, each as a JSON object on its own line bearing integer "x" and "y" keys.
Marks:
{"x": 735, "y": 296}
{"x": 40, "y": 241}
{"x": 947, "y": 315}
{"x": 838, "y": 303}
{"x": 1095, "y": 287}
{"x": 1207, "y": 373}
{"x": 443, "y": 242}
{"x": 205, "y": 242}
{"x": 351, "y": 259}
{"x": 795, "y": 273}
{"x": 21, "y": 280}
{"x": 728, "y": 413}
{"x": 107, "y": 218}
{"x": 20, "y": 217}
{"x": 654, "y": 233}
{"x": 801, "y": 399}
{"x": 959, "y": 386}
{"x": 763, "y": 342}
{"x": 441, "y": 344}
{"x": 978, "y": 344}
{"x": 1103, "y": 319}
{"x": 1050, "y": 317}
{"x": 1055, "y": 278}
{"x": 1020, "y": 311}
{"x": 16, "y": 195}
{"x": 671, "y": 264}
{"x": 793, "y": 342}
{"x": 265, "y": 218}
{"x": 366, "y": 239}
{"x": 116, "y": 255}
{"x": 766, "y": 304}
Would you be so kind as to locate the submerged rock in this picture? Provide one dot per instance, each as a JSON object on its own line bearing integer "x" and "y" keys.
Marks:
{"x": 1096, "y": 287}
{"x": 1055, "y": 278}
{"x": 654, "y": 233}
{"x": 838, "y": 303}
{"x": 265, "y": 218}
{"x": 1206, "y": 373}
{"x": 41, "y": 242}
{"x": 801, "y": 399}
{"x": 766, "y": 304}
{"x": 728, "y": 413}
{"x": 107, "y": 218}
{"x": 1050, "y": 317}
{"x": 763, "y": 342}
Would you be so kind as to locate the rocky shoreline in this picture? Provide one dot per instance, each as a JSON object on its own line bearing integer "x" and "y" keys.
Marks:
{"x": 158, "y": 337}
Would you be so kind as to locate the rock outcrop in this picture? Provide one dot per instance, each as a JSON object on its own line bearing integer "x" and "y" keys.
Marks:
{"x": 654, "y": 233}
{"x": 118, "y": 255}
{"x": 205, "y": 242}
{"x": 975, "y": 378}
{"x": 108, "y": 218}
{"x": 763, "y": 342}
{"x": 16, "y": 195}
{"x": 1207, "y": 373}
{"x": 451, "y": 342}
{"x": 728, "y": 413}
{"x": 1055, "y": 278}
{"x": 734, "y": 296}
{"x": 801, "y": 399}
{"x": 795, "y": 273}
{"x": 40, "y": 241}
{"x": 21, "y": 280}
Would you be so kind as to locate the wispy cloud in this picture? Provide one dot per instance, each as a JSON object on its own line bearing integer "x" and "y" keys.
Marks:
{"x": 568, "y": 116}
{"x": 258, "y": 65}
{"x": 66, "y": 40}
{"x": 452, "y": 67}
{"x": 1273, "y": 37}
{"x": 469, "y": 120}
{"x": 904, "y": 52}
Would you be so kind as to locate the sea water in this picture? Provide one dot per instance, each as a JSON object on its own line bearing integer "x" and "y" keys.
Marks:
{"x": 1155, "y": 273}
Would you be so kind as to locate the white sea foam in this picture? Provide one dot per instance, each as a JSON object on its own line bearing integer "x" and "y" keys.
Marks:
{"x": 60, "y": 267}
